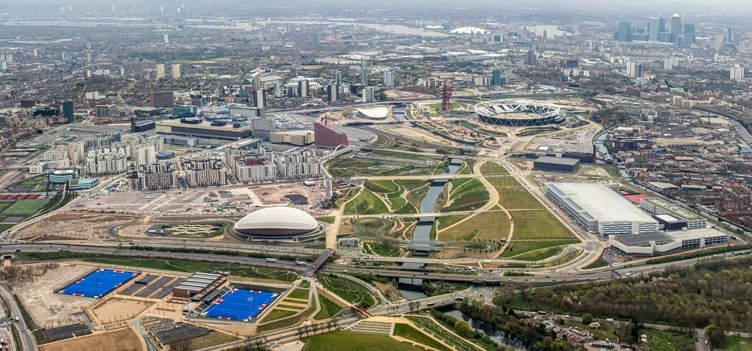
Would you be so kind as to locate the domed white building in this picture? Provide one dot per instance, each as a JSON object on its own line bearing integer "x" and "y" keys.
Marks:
{"x": 469, "y": 30}
{"x": 277, "y": 222}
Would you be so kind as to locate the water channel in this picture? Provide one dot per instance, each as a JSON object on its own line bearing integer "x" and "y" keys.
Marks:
{"x": 496, "y": 336}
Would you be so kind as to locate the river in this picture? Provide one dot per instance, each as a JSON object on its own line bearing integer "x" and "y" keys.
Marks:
{"x": 495, "y": 335}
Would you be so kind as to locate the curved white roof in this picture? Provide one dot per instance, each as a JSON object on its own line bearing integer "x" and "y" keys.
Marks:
{"x": 276, "y": 219}
{"x": 469, "y": 30}
{"x": 377, "y": 112}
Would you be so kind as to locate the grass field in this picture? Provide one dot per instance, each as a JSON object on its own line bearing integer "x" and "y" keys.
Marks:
{"x": 483, "y": 226}
{"x": 24, "y": 208}
{"x": 466, "y": 195}
{"x": 500, "y": 181}
{"x": 514, "y": 198}
{"x": 4, "y": 205}
{"x": 344, "y": 340}
{"x": 328, "y": 309}
{"x": 351, "y": 167}
{"x": 410, "y": 333}
{"x": 365, "y": 203}
{"x": 348, "y": 290}
{"x": 492, "y": 168}
{"x": 4, "y": 227}
{"x": 446, "y": 221}
{"x": 453, "y": 106}
{"x": 735, "y": 343}
{"x": 299, "y": 294}
{"x": 517, "y": 247}
{"x": 276, "y": 314}
{"x": 597, "y": 264}
{"x": 538, "y": 225}
{"x": 214, "y": 338}
{"x": 539, "y": 255}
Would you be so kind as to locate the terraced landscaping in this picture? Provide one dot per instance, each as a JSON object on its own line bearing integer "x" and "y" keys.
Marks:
{"x": 365, "y": 167}
{"x": 464, "y": 195}
{"x": 366, "y": 203}
{"x": 348, "y": 290}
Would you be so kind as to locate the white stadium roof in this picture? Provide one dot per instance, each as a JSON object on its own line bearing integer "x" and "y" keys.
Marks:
{"x": 277, "y": 220}
{"x": 602, "y": 203}
{"x": 376, "y": 112}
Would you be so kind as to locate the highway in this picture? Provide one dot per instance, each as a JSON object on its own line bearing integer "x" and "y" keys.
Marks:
{"x": 27, "y": 340}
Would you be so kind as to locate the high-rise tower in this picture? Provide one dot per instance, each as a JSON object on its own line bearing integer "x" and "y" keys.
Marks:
{"x": 676, "y": 28}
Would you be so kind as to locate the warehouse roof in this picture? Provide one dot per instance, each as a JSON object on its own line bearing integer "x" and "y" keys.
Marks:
{"x": 564, "y": 161}
{"x": 602, "y": 203}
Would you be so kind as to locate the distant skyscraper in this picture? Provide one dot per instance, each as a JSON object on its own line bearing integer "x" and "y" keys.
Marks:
{"x": 333, "y": 92}
{"x": 367, "y": 94}
{"x": 122, "y": 71}
{"x": 36, "y": 53}
{"x": 729, "y": 35}
{"x": 303, "y": 88}
{"x": 88, "y": 57}
{"x": 257, "y": 82}
{"x": 363, "y": 72}
{"x": 338, "y": 77}
{"x": 625, "y": 32}
{"x": 3, "y": 65}
{"x": 689, "y": 33}
{"x": 9, "y": 58}
{"x": 68, "y": 111}
{"x": 676, "y": 28}
{"x": 634, "y": 69}
{"x": 736, "y": 73}
{"x": 532, "y": 58}
{"x": 259, "y": 99}
{"x": 160, "y": 70}
{"x": 388, "y": 78}
{"x": 64, "y": 56}
{"x": 656, "y": 25}
{"x": 175, "y": 69}
{"x": 166, "y": 38}
{"x": 496, "y": 77}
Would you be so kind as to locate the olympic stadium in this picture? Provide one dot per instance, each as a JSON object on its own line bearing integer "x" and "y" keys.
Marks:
{"x": 277, "y": 223}
{"x": 506, "y": 114}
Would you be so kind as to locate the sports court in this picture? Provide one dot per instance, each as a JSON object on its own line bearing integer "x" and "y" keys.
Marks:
{"x": 98, "y": 283}
{"x": 240, "y": 304}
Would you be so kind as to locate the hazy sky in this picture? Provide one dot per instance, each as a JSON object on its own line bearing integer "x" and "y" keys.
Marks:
{"x": 733, "y": 7}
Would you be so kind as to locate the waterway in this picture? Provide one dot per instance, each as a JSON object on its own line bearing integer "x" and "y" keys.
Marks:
{"x": 496, "y": 336}
{"x": 422, "y": 234}
{"x": 399, "y": 114}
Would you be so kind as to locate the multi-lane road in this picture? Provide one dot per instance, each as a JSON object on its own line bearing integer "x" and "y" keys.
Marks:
{"x": 27, "y": 340}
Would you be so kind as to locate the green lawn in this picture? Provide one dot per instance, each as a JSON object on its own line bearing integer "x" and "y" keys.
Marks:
{"x": 538, "y": 225}
{"x": 348, "y": 290}
{"x": 539, "y": 255}
{"x": 4, "y": 205}
{"x": 483, "y": 226}
{"x": 366, "y": 203}
{"x": 492, "y": 168}
{"x": 299, "y": 294}
{"x": 466, "y": 195}
{"x": 453, "y": 106}
{"x": 276, "y": 314}
{"x": 410, "y": 333}
{"x": 597, "y": 264}
{"x": 381, "y": 186}
{"x": 352, "y": 167}
{"x": 4, "y": 227}
{"x": 500, "y": 181}
{"x": 513, "y": 198}
{"x": 328, "y": 220}
{"x": 328, "y": 309}
{"x": 735, "y": 343}
{"x": 344, "y": 340}
{"x": 448, "y": 220}
{"x": 24, "y": 208}
{"x": 517, "y": 247}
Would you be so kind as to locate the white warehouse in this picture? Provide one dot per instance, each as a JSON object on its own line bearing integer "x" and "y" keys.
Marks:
{"x": 599, "y": 209}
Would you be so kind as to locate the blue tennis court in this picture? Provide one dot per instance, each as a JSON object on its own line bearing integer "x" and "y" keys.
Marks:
{"x": 98, "y": 283}
{"x": 240, "y": 304}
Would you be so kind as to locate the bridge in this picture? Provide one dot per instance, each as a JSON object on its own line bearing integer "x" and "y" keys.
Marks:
{"x": 319, "y": 262}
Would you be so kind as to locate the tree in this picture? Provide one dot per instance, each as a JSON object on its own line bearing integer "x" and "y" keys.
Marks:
{"x": 715, "y": 335}
{"x": 587, "y": 318}
{"x": 463, "y": 329}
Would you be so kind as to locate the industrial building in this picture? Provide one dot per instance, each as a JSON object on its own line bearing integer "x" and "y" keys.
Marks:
{"x": 599, "y": 209}
{"x": 660, "y": 207}
{"x": 293, "y": 137}
{"x": 659, "y": 243}
{"x": 203, "y": 130}
{"x": 556, "y": 164}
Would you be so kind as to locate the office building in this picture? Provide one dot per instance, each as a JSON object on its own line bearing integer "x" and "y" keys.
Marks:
{"x": 367, "y": 94}
{"x": 259, "y": 99}
{"x": 160, "y": 70}
{"x": 303, "y": 88}
{"x": 656, "y": 25}
{"x": 689, "y": 33}
{"x": 175, "y": 70}
{"x": 676, "y": 28}
{"x": 625, "y": 32}
{"x": 736, "y": 73}
{"x": 68, "y": 111}
{"x": 496, "y": 78}
{"x": 532, "y": 58}
{"x": 599, "y": 209}
{"x": 363, "y": 72}
{"x": 388, "y": 78}
{"x": 333, "y": 93}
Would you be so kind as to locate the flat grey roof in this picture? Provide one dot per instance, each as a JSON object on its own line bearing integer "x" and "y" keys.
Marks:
{"x": 602, "y": 203}
{"x": 643, "y": 239}
{"x": 566, "y": 161}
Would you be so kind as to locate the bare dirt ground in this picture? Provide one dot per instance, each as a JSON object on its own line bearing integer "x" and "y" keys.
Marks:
{"x": 119, "y": 309}
{"x": 75, "y": 225}
{"x": 47, "y": 307}
{"x": 119, "y": 340}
